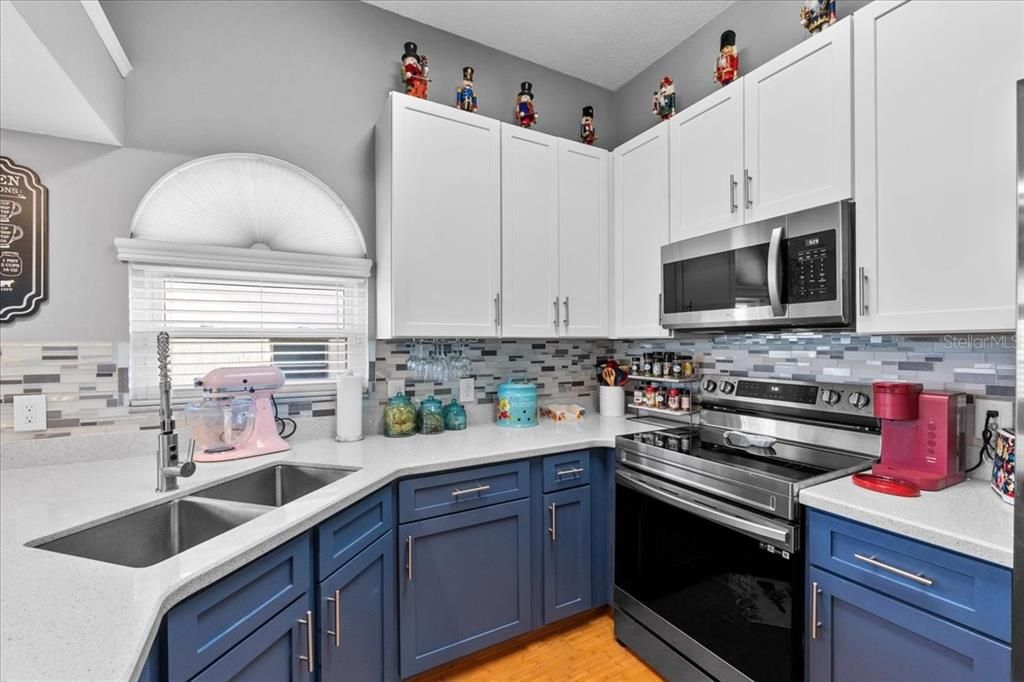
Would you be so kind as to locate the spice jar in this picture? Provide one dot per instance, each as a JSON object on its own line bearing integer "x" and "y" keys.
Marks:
{"x": 638, "y": 394}
{"x": 661, "y": 397}
{"x": 647, "y": 364}
{"x": 656, "y": 366}
{"x": 666, "y": 365}
{"x": 650, "y": 396}
{"x": 635, "y": 366}
{"x": 685, "y": 403}
{"x": 673, "y": 399}
{"x": 677, "y": 367}
{"x": 688, "y": 366}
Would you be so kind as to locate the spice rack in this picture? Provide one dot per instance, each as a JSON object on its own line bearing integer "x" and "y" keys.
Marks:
{"x": 665, "y": 380}
{"x": 663, "y": 412}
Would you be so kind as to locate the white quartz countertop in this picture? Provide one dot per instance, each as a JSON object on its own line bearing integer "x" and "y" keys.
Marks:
{"x": 68, "y": 618}
{"x": 968, "y": 517}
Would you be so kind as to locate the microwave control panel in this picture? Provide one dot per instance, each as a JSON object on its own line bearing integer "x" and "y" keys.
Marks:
{"x": 811, "y": 267}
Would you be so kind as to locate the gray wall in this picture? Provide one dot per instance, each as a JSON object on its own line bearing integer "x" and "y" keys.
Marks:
{"x": 764, "y": 29}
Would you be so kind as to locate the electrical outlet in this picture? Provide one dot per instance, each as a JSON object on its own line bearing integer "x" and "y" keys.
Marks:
{"x": 30, "y": 412}
{"x": 395, "y": 386}
{"x": 982, "y": 406}
{"x": 467, "y": 390}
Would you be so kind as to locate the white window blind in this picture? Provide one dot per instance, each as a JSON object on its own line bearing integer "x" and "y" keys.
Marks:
{"x": 311, "y": 326}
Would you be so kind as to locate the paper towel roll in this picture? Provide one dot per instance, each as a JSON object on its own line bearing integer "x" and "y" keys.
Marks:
{"x": 349, "y": 408}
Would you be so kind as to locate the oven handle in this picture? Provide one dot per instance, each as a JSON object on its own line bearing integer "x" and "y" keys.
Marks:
{"x": 775, "y": 272}
{"x": 706, "y": 512}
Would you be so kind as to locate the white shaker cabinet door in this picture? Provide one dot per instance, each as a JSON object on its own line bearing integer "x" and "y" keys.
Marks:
{"x": 641, "y": 228}
{"x": 529, "y": 234}
{"x": 446, "y": 221}
{"x": 935, "y": 124}
{"x": 583, "y": 239}
{"x": 707, "y": 164}
{"x": 798, "y": 127}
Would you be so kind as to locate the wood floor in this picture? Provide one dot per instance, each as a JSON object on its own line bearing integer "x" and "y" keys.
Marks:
{"x": 581, "y": 649}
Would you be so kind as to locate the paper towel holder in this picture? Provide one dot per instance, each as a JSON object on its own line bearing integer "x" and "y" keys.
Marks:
{"x": 348, "y": 408}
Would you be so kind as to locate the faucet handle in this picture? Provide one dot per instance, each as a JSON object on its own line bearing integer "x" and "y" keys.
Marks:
{"x": 188, "y": 467}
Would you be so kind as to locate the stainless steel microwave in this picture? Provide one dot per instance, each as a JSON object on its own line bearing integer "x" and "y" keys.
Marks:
{"x": 792, "y": 271}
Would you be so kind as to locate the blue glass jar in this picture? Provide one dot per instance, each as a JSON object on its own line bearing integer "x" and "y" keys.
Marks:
{"x": 517, "y": 405}
{"x": 455, "y": 416}
{"x": 399, "y": 417}
{"x": 431, "y": 416}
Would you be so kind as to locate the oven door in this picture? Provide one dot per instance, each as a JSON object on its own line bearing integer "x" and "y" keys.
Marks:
{"x": 710, "y": 579}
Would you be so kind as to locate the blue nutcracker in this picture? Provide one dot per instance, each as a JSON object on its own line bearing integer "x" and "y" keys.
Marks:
{"x": 465, "y": 98}
{"x": 526, "y": 113}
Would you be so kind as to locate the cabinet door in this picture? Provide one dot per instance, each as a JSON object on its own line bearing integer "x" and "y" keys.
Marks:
{"x": 865, "y": 635}
{"x": 567, "y": 565}
{"x": 357, "y": 610}
{"x": 707, "y": 164}
{"x": 641, "y": 229}
{"x": 282, "y": 649}
{"x": 529, "y": 233}
{"x": 446, "y": 220}
{"x": 798, "y": 126}
{"x": 583, "y": 239}
{"x": 935, "y": 120}
{"x": 465, "y": 583}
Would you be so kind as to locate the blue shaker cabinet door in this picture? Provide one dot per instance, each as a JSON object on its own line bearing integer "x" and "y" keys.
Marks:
{"x": 864, "y": 635}
{"x": 567, "y": 564}
{"x": 357, "y": 607}
{"x": 464, "y": 583}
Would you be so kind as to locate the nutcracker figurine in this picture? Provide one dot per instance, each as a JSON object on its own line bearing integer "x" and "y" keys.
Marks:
{"x": 414, "y": 72}
{"x": 587, "y": 131}
{"x": 727, "y": 68}
{"x": 817, "y": 14}
{"x": 465, "y": 98}
{"x": 526, "y": 113}
{"x": 664, "y": 105}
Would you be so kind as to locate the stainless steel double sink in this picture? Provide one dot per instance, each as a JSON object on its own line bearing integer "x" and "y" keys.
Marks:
{"x": 151, "y": 535}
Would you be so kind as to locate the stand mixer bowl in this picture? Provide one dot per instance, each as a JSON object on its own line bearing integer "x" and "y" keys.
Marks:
{"x": 220, "y": 424}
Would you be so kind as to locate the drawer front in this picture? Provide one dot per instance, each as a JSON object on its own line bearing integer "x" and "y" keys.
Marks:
{"x": 429, "y": 496}
{"x": 566, "y": 470}
{"x": 968, "y": 591}
{"x": 353, "y": 530}
{"x": 208, "y": 624}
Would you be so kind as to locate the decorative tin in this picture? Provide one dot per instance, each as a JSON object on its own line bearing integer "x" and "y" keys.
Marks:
{"x": 1004, "y": 465}
{"x": 517, "y": 405}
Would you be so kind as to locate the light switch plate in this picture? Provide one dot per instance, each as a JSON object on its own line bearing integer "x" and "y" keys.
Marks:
{"x": 30, "y": 412}
{"x": 467, "y": 390}
{"x": 395, "y": 386}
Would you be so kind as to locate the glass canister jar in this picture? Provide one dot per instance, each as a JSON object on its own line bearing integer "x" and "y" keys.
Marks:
{"x": 455, "y": 416}
{"x": 399, "y": 417}
{"x": 431, "y": 416}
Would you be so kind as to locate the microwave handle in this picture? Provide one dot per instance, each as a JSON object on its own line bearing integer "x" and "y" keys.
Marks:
{"x": 775, "y": 272}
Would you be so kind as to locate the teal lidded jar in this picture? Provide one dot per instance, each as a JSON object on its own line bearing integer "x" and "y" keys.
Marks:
{"x": 517, "y": 404}
{"x": 455, "y": 416}
{"x": 431, "y": 416}
{"x": 399, "y": 417}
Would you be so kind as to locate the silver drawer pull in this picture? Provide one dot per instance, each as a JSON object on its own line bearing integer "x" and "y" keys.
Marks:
{"x": 554, "y": 527}
{"x": 308, "y": 658}
{"x": 478, "y": 489}
{"x": 916, "y": 577}
{"x": 575, "y": 471}
{"x": 336, "y": 632}
{"x": 815, "y": 623}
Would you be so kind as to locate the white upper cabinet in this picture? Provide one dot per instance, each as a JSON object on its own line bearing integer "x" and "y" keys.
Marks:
{"x": 438, "y": 221}
{"x": 582, "y": 239}
{"x": 529, "y": 233}
{"x": 797, "y": 131}
{"x": 935, "y": 123}
{"x": 641, "y": 228}
{"x": 707, "y": 164}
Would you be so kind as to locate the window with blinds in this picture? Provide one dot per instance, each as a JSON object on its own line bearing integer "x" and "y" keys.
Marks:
{"x": 311, "y": 326}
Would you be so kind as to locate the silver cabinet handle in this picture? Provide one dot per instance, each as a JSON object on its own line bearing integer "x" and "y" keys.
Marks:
{"x": 478, "y": 489}
{"x": 862, "y": 300}
{"x": 873, "y": 561}
{"x": 308, "y": 622}
{"x": 556, "y": 312}
{"x": 574, "y": 471}
{"x": 815, "y": 623}
{"x": 566, "y": 304}
{"x": 553, "y": 529}
{"x": 408, "y": 556}
{"x": 747, "y": 179}
{"x": 336, "y": 632}
{"x": 775, "y": 271}
{"x": 732, "y": 193}
{"x": 497, "y": 310}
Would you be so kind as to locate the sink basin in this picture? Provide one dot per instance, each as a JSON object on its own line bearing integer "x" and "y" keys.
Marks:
{"x": 276, "y": 485}
{"x": 152, "y": 535}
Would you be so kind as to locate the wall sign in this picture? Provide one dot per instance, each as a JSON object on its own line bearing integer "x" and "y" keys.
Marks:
{"x": 24, "y": 240}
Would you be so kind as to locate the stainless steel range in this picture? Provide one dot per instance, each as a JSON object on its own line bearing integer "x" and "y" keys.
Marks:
{"x": 708, "y": 569}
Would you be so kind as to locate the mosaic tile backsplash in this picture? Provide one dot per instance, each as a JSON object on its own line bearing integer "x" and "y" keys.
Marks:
{"x": 87, "y": 384}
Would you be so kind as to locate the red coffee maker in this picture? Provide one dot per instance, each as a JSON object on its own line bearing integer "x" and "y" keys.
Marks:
{"x": 923, "y": 434}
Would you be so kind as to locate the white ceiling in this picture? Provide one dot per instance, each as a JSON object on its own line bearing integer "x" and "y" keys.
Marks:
{"x": 603, "y": 42}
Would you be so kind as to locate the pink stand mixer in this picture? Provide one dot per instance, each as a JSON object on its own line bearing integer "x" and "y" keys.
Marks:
{"x": 235, "y": 419}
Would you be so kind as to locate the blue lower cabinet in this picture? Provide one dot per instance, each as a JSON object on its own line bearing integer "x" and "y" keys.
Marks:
{"x": 862, "y": 634}
{"x": 464, "y": 583}
{"x": 283, "y": 650}
{"x": 567, "y": 553}
{"x": 357, "y": 613}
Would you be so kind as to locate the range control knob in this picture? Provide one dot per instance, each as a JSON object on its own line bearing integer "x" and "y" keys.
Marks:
{"x": 710, "y": 386}
{"x": 859, "y": 400}
{"x": 728, "y": 387}
{"x": 829, "y": 397}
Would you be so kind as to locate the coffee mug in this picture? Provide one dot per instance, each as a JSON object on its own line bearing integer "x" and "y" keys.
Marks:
{"x": 8, "y": 209}
{"x": 10, "y": 234}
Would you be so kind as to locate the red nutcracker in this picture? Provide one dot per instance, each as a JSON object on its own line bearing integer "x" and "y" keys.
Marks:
{"x": 587, "y": 131}
{"x": 727, "y": 68}
{"x": 526, "y": 113}
{"x": 414, "y": 72}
